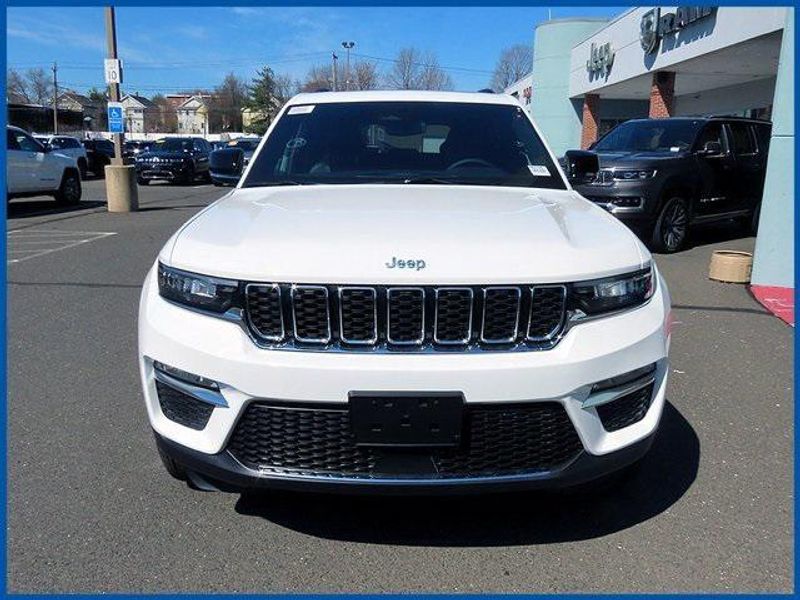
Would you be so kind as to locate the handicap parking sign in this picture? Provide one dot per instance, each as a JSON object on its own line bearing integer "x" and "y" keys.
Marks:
{"x": 116, "y": 123}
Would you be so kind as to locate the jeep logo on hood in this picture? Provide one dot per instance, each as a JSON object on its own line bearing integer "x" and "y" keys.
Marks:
{"x": 399, "y": 263}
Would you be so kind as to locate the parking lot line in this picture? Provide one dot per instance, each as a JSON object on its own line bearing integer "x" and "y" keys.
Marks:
{"x": 24, "y": 245}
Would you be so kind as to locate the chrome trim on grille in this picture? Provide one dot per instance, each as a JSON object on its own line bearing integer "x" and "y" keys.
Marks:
{"x": 553, "y": 332}
{"x": 508, "y": 340}
{"x": 322, "y": 340}
{"x": 417, "y": 342}
{"x": 464, "y": 340}
{"x": 374, "y": 337}
{"x": 272, "y": 286}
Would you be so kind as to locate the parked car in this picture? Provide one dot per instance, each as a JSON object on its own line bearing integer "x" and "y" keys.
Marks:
{"x": 174, "y": 159}
{"x": 662, "y": 176}
{"x": 228, "y": 163}
{"x": 100, "y": 152}
{"x": 132, "y": 149}
{"x": 67, "y": 145}
{"x": 404, "y": 294}
{"x": 35, "y": 170}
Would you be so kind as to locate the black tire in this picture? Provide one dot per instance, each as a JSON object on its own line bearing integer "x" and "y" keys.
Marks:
{"x": 207, "y": 177}
{"x": 141, "y": 181}
{"x": 82, "y": 168}
{"x": 188, "y": 178}
{"x": 173, "y": 468}
{"x": 69, "y": 192}
{"x": 671, "y": 230}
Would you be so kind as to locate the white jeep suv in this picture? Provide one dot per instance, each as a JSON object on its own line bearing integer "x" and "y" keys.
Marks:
{"x": 403, "y": 293}
{"x": 34, "y": 170}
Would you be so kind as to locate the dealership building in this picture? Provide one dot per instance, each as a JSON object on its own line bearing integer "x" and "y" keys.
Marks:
{"x": 590, "y": 74}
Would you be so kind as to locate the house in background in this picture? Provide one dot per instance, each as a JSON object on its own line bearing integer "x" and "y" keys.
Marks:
{"x": 139, "y": 113}
{"x": 193, "y": 115}
{"x": 522, "y": 90}
{"x": 93, "y": 112}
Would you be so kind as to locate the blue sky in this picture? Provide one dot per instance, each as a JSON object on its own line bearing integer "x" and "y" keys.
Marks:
{"x": 171, "y": 49}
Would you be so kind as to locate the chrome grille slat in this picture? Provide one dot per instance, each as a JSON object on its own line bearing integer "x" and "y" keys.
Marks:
{"x": 549, "y": 299}
{"x": 448, "y": 303}
{"x": 501, "y": 306}
{"x": 403, "y": 308}
{"x": 368, "y": 318}
{"x": 310, "y": 320}
{"x": 351, "y": 332}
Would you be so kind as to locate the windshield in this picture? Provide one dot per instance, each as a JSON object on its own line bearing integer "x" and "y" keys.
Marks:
{"x": 404, "y": 142}
{"x": 172, "y": 145}
{"x": 658, "y": 135}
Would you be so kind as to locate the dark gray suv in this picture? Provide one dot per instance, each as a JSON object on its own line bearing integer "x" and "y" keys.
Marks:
{"x": 661, "y": 176}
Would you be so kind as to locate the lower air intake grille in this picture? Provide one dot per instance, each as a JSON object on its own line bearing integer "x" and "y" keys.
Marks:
{"x": 183, "y": 409}
{"x": 626, "y": 410}
{"x": 498, "y": 440}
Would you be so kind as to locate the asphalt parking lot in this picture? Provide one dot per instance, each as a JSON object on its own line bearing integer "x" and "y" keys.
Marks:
{"x": 90, "y": 507}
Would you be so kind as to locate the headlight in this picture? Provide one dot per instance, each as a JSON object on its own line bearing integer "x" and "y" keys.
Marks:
{"x": 196, "y": 291}
{"x": 613, "y": 293}
{"x": 633, "y": 174}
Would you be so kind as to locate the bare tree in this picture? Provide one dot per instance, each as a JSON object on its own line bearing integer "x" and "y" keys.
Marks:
{"x": 414, "y": 70}
{"x": 40, "y": 85}
{"x": 285, "y": 88}
{"x": 165, "y": 117}
{"x": 226, "y": 103}
{"x": 17, "y": 87}
{"x": 364, "y": 76}
{"x": 514, "y": 63}
{"x": 405, "y": 72}
{"x": 432, "y": 76}
{"x": 320, "y": 77}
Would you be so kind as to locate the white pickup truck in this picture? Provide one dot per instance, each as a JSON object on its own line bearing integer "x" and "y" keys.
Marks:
{"x": 34, "y": 170}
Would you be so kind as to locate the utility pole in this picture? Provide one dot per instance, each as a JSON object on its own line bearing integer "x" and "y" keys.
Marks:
{"x": 334, "y": 58}
{"x": 55, "y": 98}
{"x": 121, "y": 189}
{"x": 347, "y": 46}
{"x": 111, "y": 44}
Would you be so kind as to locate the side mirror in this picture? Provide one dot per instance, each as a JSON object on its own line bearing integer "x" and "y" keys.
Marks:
{"x": 581, "y": 166}
{"x": 711, "y": 148}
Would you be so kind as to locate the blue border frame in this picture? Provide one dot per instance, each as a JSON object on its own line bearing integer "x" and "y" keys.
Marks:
{"x": 379, "y": 3}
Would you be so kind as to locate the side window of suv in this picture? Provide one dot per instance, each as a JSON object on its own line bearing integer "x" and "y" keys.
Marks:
{"x": 27, "y": 144}
{"x": 742, "y": 139}
{"x": 711, "y": 133}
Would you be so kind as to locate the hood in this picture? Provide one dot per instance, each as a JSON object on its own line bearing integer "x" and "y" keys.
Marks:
{"x": 637, "y": 159}
{"x": 350, "y": 233}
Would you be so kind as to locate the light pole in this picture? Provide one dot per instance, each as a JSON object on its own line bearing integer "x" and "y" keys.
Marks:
{"x": 347, "y": 46}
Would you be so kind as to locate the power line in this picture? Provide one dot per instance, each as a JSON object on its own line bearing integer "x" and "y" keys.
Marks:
{"x": 425, "y": 64}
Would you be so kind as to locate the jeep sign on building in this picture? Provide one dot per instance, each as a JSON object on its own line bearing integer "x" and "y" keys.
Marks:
{"x": 590, "y": 74}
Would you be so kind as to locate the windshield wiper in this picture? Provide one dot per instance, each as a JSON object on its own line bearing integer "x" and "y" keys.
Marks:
{"x": 279, "y": 183}
{"x": 430, "y": 180}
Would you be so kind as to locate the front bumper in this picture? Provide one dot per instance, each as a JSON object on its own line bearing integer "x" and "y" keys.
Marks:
{"x": 222, "y": 351}
{"x": 225, "y": 178}
{"x": 637, "y": 198}
{"x": 161, "y": 172}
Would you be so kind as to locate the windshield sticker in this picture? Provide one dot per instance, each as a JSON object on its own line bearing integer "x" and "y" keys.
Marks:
{"x": 539, "y": 170}
{"x": 301, "y": 110}
{"x": 675, "y": 149}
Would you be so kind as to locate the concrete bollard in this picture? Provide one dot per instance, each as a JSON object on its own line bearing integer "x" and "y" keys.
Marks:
{"x": 121, "y": 189}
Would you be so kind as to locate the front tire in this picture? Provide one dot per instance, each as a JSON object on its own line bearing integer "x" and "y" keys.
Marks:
{"x": 672, "y": 226}
{"x": 69, "y": 193}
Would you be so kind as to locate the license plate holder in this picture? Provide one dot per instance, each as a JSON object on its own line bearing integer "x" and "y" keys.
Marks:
{"x": 407, "y": 420}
